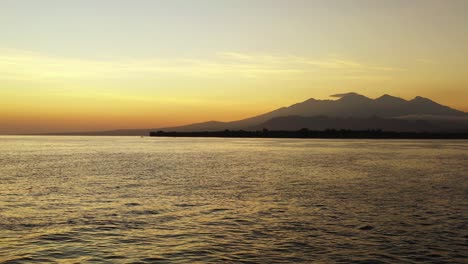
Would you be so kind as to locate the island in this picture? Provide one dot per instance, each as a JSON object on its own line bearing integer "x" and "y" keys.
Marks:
{"x": 306, "y": 133}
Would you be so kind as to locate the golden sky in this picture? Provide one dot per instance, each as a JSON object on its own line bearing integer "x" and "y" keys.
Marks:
{"x": 98, "y": 65}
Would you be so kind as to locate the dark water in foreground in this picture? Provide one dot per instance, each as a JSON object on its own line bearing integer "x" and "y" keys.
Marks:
{"x": 157, "y": 200}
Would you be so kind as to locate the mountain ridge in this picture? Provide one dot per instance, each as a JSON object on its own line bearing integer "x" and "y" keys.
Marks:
{"x": 347, "y": 105}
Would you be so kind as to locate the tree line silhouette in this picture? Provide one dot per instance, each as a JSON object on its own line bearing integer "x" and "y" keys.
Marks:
{"x": 306, "y": 133}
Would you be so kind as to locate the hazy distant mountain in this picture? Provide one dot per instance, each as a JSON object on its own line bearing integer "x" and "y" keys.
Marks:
{"x": 349, "y": 111}
{"x": 356, "y": 105}
{"x": 350, "y": 108}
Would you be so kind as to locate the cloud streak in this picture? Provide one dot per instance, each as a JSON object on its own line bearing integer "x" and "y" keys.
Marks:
{"x": 21, "y": 65}
{"x": 306, "y": 63}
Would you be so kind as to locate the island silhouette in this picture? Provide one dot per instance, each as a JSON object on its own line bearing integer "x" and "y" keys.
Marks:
{"x": 306, "y": 133}
{"x": 348, "y": 112}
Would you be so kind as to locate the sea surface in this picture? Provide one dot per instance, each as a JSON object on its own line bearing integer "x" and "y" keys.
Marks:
{"x": 207, "y": 200}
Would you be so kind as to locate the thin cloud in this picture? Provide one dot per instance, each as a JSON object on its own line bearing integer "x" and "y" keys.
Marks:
{"x": 22, "y": 65}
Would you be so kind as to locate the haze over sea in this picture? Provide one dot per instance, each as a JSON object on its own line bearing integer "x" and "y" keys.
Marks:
{"x": 189, "y": 200}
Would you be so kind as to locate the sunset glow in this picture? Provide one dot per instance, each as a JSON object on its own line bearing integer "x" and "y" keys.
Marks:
{"x": 99, "y": 65}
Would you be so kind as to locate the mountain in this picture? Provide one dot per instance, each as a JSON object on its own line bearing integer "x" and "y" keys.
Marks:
{"x": 356, "y": 105}
{"x": 349, "y": 106}
{"x": 348, "y": 111}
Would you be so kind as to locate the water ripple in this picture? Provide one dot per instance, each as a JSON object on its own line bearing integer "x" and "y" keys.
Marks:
{"x": 133, "y": 200}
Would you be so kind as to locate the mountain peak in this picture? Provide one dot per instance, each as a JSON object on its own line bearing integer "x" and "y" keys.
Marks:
{"x": 386, "y": 96}
{"x": 421, "y": 99}
{"x": 390, "y": 98}
{"x": 310, "y": 100}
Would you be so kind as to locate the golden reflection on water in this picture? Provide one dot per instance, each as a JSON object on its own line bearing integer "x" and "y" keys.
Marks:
{"x": 125, "y": 199}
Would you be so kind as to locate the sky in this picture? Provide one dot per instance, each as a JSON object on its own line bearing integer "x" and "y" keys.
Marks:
{"x": 108, "y": 64}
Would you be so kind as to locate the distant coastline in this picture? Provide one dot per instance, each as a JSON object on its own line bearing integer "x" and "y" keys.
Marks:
{"x": 306, "y": 133}
{"x": 357, "y": 114}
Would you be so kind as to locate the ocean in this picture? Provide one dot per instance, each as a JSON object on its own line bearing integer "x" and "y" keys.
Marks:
{"x": 221, "y": 200}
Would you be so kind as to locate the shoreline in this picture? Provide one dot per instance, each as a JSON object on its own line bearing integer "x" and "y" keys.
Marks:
{"x": 311, "y": 134}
